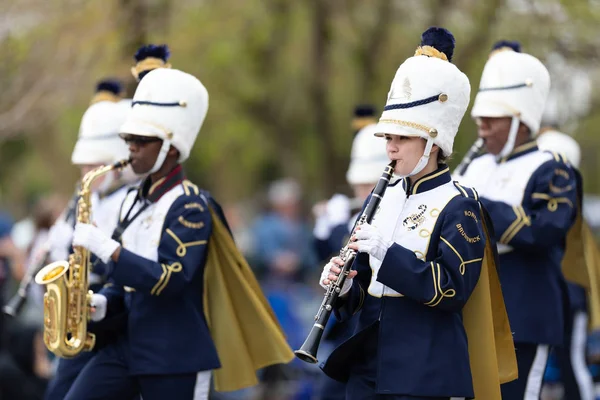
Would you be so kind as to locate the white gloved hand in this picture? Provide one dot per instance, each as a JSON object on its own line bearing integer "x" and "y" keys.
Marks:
{"x": 98, "y": 304}
{"x": 369, "y": 240}
{"x": 328, "y": 275}
{"x": 61, "y": 236}
{"x": 96, "y": 241}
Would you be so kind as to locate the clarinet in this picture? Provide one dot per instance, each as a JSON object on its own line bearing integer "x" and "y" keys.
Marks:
{"x": 308, "y": 351}
{"x": 471, "y": 154}
{"x": 16, "y": 303}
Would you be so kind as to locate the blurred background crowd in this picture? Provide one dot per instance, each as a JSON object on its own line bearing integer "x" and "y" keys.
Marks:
{"x": 284, "y": 78}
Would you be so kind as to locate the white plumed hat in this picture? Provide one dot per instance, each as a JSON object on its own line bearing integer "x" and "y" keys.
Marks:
{"x": 171, "y": 105}
{"x": 429, "y": 95}
{"x": 513, "y": 84}
{"x": 99, "y": 141}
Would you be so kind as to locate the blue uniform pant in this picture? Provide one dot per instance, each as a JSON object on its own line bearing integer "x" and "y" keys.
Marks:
{"x": 362, "y": 381}
{"x": 106, "y": 376}
{"x": 571, "y": 357}
{"x": 66, "y": 373}
{"x": 531, "y": 361}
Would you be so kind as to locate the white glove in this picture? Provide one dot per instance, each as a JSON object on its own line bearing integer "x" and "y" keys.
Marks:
{"x": 98, "y": 304}
{"x": 96, "y": 241}
{"x": 61, "y": 236}
{"x": 327, "y": 271}
{"x": 369, "y": 240}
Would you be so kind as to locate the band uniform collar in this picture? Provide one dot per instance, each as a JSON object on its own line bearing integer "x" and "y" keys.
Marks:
{"x": 153, "y": 192}
{"x": 430, "y": 181}
{"x": 525, "y": 148}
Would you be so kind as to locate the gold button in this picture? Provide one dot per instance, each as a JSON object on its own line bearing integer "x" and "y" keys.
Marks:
{"x": 528, "y": 82}
{"x": 433, "y": 132}
{"x": 183, "y": 104}
{"x": 443, "y": 97}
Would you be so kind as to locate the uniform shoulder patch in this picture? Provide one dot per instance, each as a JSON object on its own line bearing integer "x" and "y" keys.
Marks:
{"x": 189, "y": 188}
{"x": 466, "y": 191}
{"x": 192, "y": 201}
{"x": 558, "y": 157}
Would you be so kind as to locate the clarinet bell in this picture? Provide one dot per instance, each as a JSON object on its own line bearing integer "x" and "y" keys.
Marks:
{"x": 308, "y": 351}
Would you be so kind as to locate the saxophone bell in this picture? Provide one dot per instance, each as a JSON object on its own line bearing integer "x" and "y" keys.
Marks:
{"x": 67, "y": 301}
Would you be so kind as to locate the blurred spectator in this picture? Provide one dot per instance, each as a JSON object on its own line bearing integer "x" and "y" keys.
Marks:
{"x": 284, "y": 257}
{"x": 283, "y": 241}
{"x": 24, "y": 365}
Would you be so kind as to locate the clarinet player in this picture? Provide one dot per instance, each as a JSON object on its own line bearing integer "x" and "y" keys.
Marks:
{"x": 422, "y": 261}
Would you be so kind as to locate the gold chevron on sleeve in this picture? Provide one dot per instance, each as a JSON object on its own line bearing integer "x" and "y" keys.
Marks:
{"x": 443, "y": 294}
{"x": 175, "y": 267}
{"x": 160, "y": 280}
{"x": 512, "y": 226}
{"x": 524, "y": 220}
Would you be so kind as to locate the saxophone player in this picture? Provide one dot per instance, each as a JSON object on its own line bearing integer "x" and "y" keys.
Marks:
{"x": 531, "y": 196}
{"x": 98, "y": 144}
{"x": 424, "y": 276}
{"x": 171, "y": 262}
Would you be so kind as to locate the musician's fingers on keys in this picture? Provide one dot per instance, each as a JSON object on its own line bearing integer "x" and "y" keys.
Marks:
{"x": 331, "y": 271}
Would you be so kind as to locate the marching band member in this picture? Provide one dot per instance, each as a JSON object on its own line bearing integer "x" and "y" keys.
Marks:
{"x": 173, "y": 265}
{"x": 425, "y": 264}
{"x": 571, "y": 355}
{"x": 98, "y": 144}
{"x": 532, "y": 200}
{"x": 368, "y": 158}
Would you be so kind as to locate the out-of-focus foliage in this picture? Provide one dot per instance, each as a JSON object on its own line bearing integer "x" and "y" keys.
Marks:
{"x": 283, "y": 77}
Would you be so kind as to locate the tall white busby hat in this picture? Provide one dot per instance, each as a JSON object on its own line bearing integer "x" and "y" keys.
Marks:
{"x": 368, "y": 157}
{"x": 559, "y": 142}
{"x": 429, "y": 95}
{"x": 171, "y": 105}
{"x": 99, "y": 141}
{"x": 513, "y": 84}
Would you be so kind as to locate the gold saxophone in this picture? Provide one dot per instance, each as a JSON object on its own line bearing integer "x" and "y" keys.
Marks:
{"x": 67, "y": 299}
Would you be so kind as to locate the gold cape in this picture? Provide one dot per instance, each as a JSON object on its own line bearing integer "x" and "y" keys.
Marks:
{"x": 581, "y": 265}
{"x": 243, "y": 326}
{"x": 491, "y": 347}
{"x": 592, "y": 262}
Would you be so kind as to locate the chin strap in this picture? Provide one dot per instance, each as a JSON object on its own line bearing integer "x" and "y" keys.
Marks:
{"x": 423, "y": 160}
{"x": 162, "y": 155}
{"x": 509, "y": 146}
